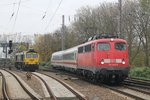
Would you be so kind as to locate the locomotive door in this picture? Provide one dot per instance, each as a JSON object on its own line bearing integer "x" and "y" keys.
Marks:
{"x": 92, "y": 54}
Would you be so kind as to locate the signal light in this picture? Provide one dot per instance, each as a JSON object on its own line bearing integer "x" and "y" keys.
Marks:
{"x": 10, "y": 44}
{"x": 10, "y": 51}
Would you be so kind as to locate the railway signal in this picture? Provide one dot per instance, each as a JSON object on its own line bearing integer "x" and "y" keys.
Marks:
{"x": 10, "y": 51}
{"x": 10, "y": 44}
{"x": 10, "y": 47}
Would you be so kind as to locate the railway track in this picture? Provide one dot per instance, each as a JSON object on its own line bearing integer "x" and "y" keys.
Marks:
{"x": 129, "y": 90}
{"x": 56, "y": 85}
{"x": 125, "y": 89}
{"x": 137, "y": 83}
{"x": 51, "y": 91}
{"x": 18, "y": 90}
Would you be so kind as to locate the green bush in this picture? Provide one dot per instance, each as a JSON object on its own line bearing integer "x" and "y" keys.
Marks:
{"x": 140, "y": 72}
{"x": 42, "y": 63}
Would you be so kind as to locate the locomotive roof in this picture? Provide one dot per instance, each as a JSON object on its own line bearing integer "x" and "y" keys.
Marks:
{"x": 104, "y": 40}
{"x": 89, "y": 42}
{"x": 23, "y": 52}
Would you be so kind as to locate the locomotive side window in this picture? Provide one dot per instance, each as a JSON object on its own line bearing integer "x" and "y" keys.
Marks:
{"x": 19, "y": 57}
{"x": 22, "y": 57}
{"x": 80, "y": 49}
{"x": 16, "y": 57}
{"x": 88, "y": 48}
{"x": 103, "y": 46}
{"x": 120, "y": 46}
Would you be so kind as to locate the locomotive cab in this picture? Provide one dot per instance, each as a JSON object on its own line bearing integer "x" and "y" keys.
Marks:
{"x": 112, "y": 58}
{"x": 27, "y": 60}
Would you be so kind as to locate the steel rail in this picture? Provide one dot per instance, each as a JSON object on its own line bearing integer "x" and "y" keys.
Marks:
{"x": 78, "y": 95}
{"x": 139, "y": 79}
{"x": 4, "y": 90}
{"x": 124, "y": 93}
{"x": 26, "y": 90}
{"x": 136, "y": 85}
{"x": 136, "y": 89}
{"x": 52, "y": 96}
{"x": 142, "y": 82}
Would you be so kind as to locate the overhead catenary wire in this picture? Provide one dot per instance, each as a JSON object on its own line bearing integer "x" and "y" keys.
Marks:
{"x": 12, "y": 12}
{"x": 46, "y": 11}
{"x": 16, "y": 16}
{"x": 53, "y": 15}
{"x": 13, "y": 3}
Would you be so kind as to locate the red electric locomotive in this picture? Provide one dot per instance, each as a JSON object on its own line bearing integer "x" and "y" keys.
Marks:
{"x": 103, "y": 58}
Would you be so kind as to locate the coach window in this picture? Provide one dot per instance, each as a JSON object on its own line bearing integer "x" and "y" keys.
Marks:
{"x": 88, "y": 48}
{"x": 103, "y": 46}
{"x": 80, "y": 50}
{"x": 120, "y": 46}
{"x": 56, "y": 57}
{"x": 69, "y": 56}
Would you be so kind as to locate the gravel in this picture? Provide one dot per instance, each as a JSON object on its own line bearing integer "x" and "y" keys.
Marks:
{"x": 91, "y": 91}
{"x": 33, "y": 83}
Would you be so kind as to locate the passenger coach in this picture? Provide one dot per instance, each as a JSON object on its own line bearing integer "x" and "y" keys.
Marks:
{"x": 103, "y": 58}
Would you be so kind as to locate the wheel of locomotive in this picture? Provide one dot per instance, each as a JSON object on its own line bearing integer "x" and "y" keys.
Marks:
{"x": 93, "y": 78}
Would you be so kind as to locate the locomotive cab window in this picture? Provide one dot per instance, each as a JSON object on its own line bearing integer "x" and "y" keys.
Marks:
{"x": 28, "y": 55}
{"x": 103, "y": 46}
{"x": 120, "y": 46}
{"x": 35, "y": 55}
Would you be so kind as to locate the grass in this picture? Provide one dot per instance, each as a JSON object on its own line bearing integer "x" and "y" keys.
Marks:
{"x": 140, "y": 72}
{"x": 44, "y": 65}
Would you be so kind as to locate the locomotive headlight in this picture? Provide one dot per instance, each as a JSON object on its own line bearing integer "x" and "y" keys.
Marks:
{"x": 123, "y": 62}
{"x": 111, "y": 39}
{"x": 102, "y": 61}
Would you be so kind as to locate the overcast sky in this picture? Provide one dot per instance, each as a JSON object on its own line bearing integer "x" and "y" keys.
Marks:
{"x": 29, "y": 20}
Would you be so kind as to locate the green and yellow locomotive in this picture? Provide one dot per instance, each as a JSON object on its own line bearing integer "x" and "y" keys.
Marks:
{"x": 27, "y": 60}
